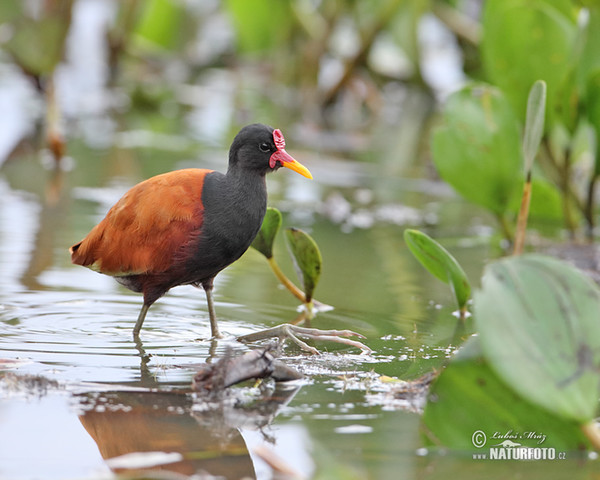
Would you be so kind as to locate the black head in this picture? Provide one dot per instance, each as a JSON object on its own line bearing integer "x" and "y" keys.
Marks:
{"x": 261, "y": 149}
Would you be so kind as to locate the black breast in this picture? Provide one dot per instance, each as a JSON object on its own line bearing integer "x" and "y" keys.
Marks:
{"x": 234, "y": 209}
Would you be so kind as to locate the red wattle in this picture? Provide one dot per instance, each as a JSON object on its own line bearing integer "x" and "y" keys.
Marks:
{"x": 278, "y": 139}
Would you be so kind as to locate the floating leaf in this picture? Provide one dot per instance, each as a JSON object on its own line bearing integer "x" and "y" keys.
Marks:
{"x": 440, "y": 263}
{"x": 307, "y": 259}
{"x": 469, "y": 403}
{"x": 268, "y": 231}
{"x": 539, "y": 330}
{"x": 477, "y": 149}
{"x": 534, "y": 124}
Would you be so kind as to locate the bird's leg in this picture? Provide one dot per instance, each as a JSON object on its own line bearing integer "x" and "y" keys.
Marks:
{"x": 294, "y": 331}
{"x": 140, "y": 320}
{"x": 214, "y": 328}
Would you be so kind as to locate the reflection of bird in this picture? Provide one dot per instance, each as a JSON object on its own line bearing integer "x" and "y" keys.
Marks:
{"x": 148, "y": 434}
{"x": 145, "y": 433}
{"x": 184, "y": 227}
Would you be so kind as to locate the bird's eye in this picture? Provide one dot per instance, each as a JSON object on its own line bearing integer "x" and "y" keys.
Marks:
{"x": 264, "y": 147}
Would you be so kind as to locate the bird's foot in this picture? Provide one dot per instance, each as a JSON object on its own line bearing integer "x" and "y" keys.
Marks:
{"x": 293, "y": 332}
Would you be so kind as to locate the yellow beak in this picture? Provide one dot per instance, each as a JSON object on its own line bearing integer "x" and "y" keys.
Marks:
{"x": 287, "y": 161}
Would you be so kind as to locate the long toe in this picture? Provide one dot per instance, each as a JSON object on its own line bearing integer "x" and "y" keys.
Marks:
{"x": 296, "y": 334}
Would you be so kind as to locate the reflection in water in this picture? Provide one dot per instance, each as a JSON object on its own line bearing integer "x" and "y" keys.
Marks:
{"x": 51, "y": 219}
{"x": 147, "y": 379}
{"x": 134, "y": 430}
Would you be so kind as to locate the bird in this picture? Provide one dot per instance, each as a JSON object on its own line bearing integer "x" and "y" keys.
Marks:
{"x": 185, "y": 226}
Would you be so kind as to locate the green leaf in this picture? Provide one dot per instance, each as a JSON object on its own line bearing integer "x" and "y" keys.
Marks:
{"x": 160, "y": 23}
{"x": 268, "y": 231}
{"x": 440, "y": 263}
{"x": 477, "y": 149}
{"x": 534, "y": 124}
{"x": 469, "y": 397}
{"x": 260, "y": 25}
{"x": 11, "y": 11}
{"x": 589, "y": 61}
{"x": 525, "y": 41}
{"x": 593, "y": 111}
{"x": 546, "y": 201}
{"x": 37, "y": 45}
{"x": 539, "y": 326}
{"x": 307, "y": 259}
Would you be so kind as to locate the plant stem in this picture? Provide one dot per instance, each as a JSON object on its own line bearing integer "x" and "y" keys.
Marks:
{"x": 312, "y": 306}
{"x": 118, "y": 37}
{"x": 384, "y": 16}
{"x": 591, "y": 431}
{"x": 460, "y": 24}
{"x": 523, "y": 215}
{"x": 54, "y": 138}
{"x": 287, "y": 283}
{"x": 569, "y": 197}
{"x": 505, "y": 227}
{"x": 566, "y": 180}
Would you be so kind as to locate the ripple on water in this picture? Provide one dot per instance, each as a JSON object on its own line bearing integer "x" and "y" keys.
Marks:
{"x": 78, "y": 338}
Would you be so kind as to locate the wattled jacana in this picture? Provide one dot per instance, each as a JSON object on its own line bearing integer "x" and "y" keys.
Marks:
{"x": 184, "y": 227}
